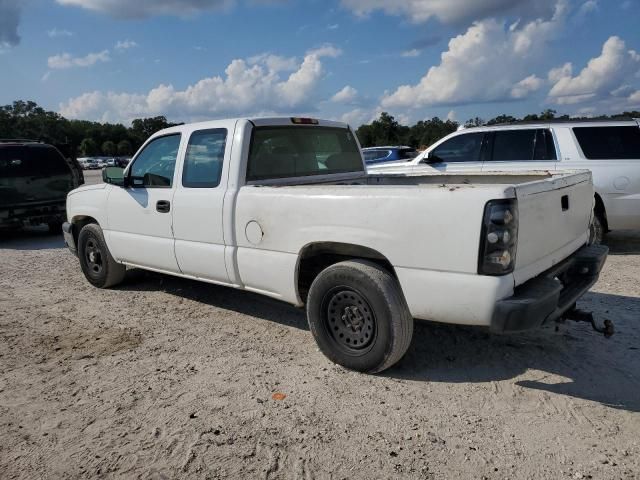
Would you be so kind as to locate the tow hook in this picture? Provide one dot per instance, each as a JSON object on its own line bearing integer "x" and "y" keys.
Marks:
{"x": 581, "y": 316}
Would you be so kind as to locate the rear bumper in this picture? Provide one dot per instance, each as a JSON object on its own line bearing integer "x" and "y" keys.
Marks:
{"x": 67, "y": 232}
{"x": 547, "y": 297}
{"x": 33, "y": 214}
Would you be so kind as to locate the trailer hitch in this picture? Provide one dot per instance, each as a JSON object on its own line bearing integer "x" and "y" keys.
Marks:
{"x": 577, "y": 315}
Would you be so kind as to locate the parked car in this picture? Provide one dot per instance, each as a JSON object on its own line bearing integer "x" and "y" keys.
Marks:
{"x": 90, "y": 163}
{"x": 284, "y": 207}
{"x": 34, "y": 181}
{"x": 611, "y": 150}
{"x": 373, "y": 155}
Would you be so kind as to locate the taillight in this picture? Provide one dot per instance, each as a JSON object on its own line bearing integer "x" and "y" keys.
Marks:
{"x": 499, "y": 238}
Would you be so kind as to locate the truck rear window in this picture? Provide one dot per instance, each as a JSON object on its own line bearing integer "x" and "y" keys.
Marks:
{"x": 32, "y": 161}
{"x": 614, "y": 143}
{"x": 297, "y": 151}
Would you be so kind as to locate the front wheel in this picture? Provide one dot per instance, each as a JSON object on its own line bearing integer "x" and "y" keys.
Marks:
{"x": 97, "y": 264}
{"x": 359, "y": 317}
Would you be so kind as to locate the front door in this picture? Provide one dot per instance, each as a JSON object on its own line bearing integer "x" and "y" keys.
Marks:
{"x": 139, "y": 216}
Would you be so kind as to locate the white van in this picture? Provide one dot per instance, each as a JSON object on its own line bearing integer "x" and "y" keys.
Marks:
{"x": 610, "y": 149}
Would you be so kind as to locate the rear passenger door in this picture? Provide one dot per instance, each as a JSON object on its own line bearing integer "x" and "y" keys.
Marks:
{"x": 198, "y": 204}
{"x": 520, "y": 149}
{"x": 461, "y": 153}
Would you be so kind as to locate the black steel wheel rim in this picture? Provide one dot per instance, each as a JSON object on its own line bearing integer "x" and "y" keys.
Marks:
{"x": 93, "y": 256}
{"x": 349, "y": 320}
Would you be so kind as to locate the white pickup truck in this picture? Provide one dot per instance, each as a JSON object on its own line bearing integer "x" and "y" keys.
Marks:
{"x": 284, "y": 207}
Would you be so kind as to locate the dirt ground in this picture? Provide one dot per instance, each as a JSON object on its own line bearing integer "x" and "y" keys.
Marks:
{"x": 163, "y": 378}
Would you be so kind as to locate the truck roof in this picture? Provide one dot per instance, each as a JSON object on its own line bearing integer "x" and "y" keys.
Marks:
{"x": 557, "y": 122}
{"x": 257, "y": 121}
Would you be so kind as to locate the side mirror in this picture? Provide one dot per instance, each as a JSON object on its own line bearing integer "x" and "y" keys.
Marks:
{"x": 113, "y": 175}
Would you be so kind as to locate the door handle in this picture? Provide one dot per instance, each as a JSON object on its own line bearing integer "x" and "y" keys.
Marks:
{"x": 163, "y": 206}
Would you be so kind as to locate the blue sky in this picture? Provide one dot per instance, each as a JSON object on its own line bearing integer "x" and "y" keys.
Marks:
{"x": 115, "y": 60}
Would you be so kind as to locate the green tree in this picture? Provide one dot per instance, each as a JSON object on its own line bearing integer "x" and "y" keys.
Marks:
{"x": 109, "y": 148}
{"x": 88, "y": 147}
{"x": 474, "y": 122}
{"x": 501, "y": 119}
{"x": 548, "y": 114}
{"x": 124, "y": 148}
{"x": 383, "y": 131}
{"x": 143, "y": 128}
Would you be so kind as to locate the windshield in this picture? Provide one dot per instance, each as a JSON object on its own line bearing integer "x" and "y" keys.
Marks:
{"x": 288, "y": 152}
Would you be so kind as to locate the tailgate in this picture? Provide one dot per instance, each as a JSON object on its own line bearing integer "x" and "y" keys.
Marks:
{"x": 554, "y": 221}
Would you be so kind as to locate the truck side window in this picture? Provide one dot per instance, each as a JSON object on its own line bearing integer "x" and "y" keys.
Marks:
{"x": 603, "y": 143}
{"x": 204, "y": 159}
{"x": 155, "y": 165}
{"x": 513, "y": 145}
{"x": 461, "y": 148}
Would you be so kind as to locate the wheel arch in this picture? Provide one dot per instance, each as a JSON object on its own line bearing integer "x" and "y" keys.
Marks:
{"x": 600, "y": 210}
{"x": 317, "y": 256}
{"x": 78, "y": 222}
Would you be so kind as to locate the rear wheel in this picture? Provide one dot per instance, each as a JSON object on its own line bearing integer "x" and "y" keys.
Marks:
{"x": 98, "y": 266}
{"x": 359, "y": 317}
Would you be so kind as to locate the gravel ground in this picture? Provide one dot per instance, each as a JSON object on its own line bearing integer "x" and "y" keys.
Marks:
{"x": 165, "y": 378}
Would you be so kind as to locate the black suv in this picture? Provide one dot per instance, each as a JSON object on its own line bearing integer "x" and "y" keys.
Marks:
{"x": 34, "y": 181}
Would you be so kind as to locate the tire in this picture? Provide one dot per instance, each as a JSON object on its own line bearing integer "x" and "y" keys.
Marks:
{"x": 97, "y": 264}
{"x": 596, "y": 231}
{"x": 359, "y": 317}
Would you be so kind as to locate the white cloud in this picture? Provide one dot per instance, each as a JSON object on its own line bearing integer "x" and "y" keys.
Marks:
{"x": 56, "y": 33}
{"x": 452, "y": 116}
{"x": 454, "y": 11}
{"x": 274, "y": 63}
{"x": 66, "y": 60}
{"x": 334, "y": 26}
{"x": 555, "y": 74}
{"x": 361, "y": 116}
{"x": 634, "y": 98}
{"x": 10, "y": 11}
{"x": 246, "y": 88}
{"x": 587, "y": 7}
{"x": 524, "y": 87}
{"x": 486, "y": 63}
{"x": 357, "y": 117}
{"x": 125, "y": 45}
{"x": 601, "y": 78}
{"x": 411, "y": 53}
{"x": 347, "y": 95}
{"x": 148, "y": 8}
{"x": 326, "y": 50}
